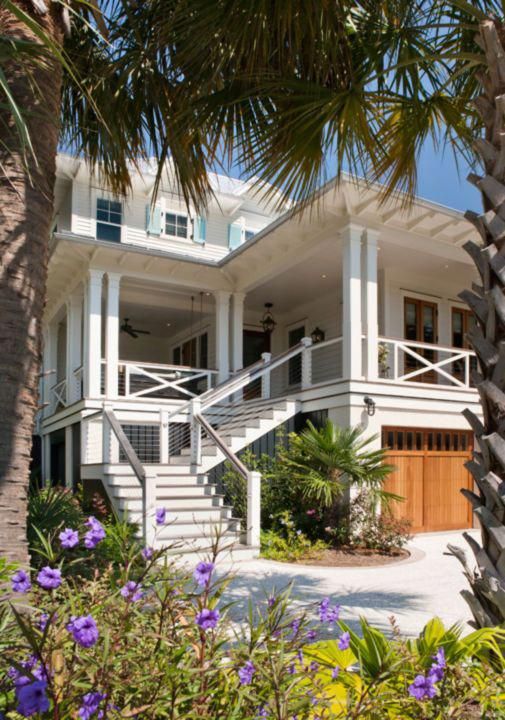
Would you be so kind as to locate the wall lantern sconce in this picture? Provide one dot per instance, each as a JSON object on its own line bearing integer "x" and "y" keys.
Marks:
{"x": 317, "y": 335}
{"x": 370, "y": 405}
{"x": 268, "y": 321}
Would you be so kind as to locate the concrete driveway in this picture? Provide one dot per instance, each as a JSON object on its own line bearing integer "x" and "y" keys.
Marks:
{"x": 412, "y": 591}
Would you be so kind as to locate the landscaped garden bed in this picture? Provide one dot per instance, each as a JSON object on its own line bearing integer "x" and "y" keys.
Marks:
{"x": 354, "y": 557}
{"x": 104, "y": 628}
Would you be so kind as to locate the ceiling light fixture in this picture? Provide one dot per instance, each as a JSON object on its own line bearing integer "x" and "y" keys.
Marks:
{"x": 268, "y": 321}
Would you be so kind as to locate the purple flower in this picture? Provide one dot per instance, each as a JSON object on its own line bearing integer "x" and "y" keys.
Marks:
{"x": 291, "y": 669}
{"x": 90, "y": 704}
{"x": 246, "y": 673}
{"x": 69, "y": 538}
{"x": 161, "y": 514}
{"x": 45, "y": 619}
{"x": 262, "y": 712}
{"x": 271, "y": 602}
{"x": 436, "y": 672}
{"x": 335, "y": 672}
{"x": 295, "y": 625}
{"x": 314, "y": 666}
{"x": 147, "y": 553}
{"x": 422, "y": 688}
{"x": 95, "y": 534}
{"x": 326, "y": 613}
{"x": 311, "y": 635}
{"x": 299, "y": 655}
{"x": 32, "y": 670}
{"x": 344, "y": 641}
{"x": 84, "y": 630}
{"x": 49, "y": 578}
{"x": 132, "y": 591}
{"x": 202, "y": 573}
{"x": 32, "y": 698}
{"x": 20, "y": 582}
{"x": 207, "y": 619}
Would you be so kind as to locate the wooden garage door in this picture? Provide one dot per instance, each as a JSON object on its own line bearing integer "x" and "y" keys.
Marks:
{"x": 429, "y": 474}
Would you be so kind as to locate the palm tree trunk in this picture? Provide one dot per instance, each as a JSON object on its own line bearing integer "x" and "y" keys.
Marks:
{"x": 26, "y": 207}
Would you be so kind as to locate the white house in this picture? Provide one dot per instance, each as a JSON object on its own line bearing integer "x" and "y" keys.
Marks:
{"x": 157, "y": 365}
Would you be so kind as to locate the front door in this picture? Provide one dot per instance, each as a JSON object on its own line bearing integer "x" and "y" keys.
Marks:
{"x": 420, "y": 326}
{"x": 256, "y": 342}
{"x": 462, "y": 321}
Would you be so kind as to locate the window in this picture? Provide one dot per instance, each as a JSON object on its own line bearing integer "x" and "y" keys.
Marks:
{"x": 193, "y": 353}
{"x": 462, "y": 322}
{"x": 176, "y": 225}
{"x": 248, "y": 235}
{"x": 420, "y": 325}
{"x": 109, "y": 216}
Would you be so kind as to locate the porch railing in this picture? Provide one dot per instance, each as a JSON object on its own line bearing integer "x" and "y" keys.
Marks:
{"x": 154, "y": 380}
{"x": 59, "y": 395}
{"x": 410, "y": 361}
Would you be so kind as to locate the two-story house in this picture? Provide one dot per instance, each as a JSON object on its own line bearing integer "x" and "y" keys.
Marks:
{"x": 174, "y": 339}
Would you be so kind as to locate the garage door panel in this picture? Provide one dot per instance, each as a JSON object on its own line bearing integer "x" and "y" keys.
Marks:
{"x": 444, "y": 506}
{"x": 429, "y": 475}
{"x": 407, "y": 481}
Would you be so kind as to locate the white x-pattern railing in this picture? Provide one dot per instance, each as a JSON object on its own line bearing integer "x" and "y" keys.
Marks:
{"x": 141, "y": 380}
{"x": 412, "y": 361}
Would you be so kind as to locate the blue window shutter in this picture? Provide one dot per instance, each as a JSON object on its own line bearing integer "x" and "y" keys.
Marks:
{"x": 200, "y": 230}
{"x": 234, "y": 235}
{"x": 153, "y": 220}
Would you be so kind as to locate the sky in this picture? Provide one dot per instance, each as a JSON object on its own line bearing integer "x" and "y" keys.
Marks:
{"x": 443, "y": 182}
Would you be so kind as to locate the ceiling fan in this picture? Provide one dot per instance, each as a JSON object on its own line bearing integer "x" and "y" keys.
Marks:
{"x": 134, "y": 332}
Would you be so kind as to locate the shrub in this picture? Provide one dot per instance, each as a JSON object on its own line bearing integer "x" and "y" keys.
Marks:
{"x": 49, "y": 509}
{"x": 369, "y": 527}
{"x": 286, "y": 543}
{"x": 439, "y": 675}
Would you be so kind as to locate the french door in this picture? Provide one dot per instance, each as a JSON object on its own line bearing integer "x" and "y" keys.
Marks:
{"x": 420, "y": 325}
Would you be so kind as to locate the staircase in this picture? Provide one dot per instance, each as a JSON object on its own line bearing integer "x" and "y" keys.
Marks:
{"x": 196, "y": 513}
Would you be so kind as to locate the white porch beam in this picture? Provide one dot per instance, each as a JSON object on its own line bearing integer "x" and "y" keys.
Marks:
{"x": 371, "y": 323}
{"x": 222, "y": 298}
{"x": 74, "y": 345}
{"x": 49, "y": 365}
{"x": 237, "y": 331}
{"x": 93, "y": 334}
{"x": 351, "y": 310}
{"x": 112, "y": 336}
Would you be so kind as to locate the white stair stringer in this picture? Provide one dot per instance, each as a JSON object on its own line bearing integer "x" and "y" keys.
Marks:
{"x": 195, "y": 511}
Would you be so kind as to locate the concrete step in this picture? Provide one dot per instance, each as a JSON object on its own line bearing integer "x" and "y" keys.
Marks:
{"x": 175, "y": 491}
{"x": 202, "y": 529}
{"x": 171, "y": 501}
{"x": 184, "y": 515}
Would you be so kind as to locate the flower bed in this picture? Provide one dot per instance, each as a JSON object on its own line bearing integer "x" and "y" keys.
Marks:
{"x": 141, "y": 638}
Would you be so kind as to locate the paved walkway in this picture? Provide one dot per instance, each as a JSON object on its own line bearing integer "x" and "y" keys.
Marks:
{"x": 413, "y": 590}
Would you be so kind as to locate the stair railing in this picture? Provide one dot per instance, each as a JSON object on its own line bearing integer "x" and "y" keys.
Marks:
{"x": 112, "y": 426}
{"x": 252, "y": 478}
{"x": 199, "y": 423}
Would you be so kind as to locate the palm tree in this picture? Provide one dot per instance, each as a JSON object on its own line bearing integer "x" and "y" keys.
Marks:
{"x": 368, "y": 82}
{"x": 329, "y": 459}
{"x": 101, "y": 84}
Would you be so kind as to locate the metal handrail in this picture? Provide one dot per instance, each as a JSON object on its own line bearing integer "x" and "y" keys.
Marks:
{"x": 126, "y": 446}
{"x": 229, "y": 454}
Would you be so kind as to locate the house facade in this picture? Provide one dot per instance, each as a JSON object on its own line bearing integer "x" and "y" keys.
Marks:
{"x": 175, "y": 339}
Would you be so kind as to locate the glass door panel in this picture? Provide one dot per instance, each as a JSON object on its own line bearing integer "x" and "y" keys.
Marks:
{"x": 420, "y": 326}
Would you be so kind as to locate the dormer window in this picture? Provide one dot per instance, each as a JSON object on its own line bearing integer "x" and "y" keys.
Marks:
{"x": 248, "y": 235}
{"x": 109, "y": 218}
{"x": 176, "y": 225}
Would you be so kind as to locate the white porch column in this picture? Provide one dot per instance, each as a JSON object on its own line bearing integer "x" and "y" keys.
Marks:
{"x": 237, "y": 331}
{"x": 222, "y": 334}
{"x": 93, "y": 334}
{"x": 74, "y": 346}
{"x": 49, "y": 377}
{"x": 351, "y": 306}
{"x": 68, "y": 457}
{"x": 112, "y": 336}
{"x": 46, "y": 459}
{"x": 371, "y": 306}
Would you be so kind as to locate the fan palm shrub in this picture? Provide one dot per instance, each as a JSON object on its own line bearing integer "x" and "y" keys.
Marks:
{"x": 328, "y": 460}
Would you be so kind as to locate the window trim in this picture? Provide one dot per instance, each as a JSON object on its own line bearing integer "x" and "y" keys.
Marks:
{"x": 177, "y": 213}
{"x": 109, "y": 199}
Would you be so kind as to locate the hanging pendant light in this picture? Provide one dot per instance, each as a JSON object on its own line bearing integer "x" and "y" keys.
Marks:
{"x": 268, "y": 321}
{"x": 317, "y": 335}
